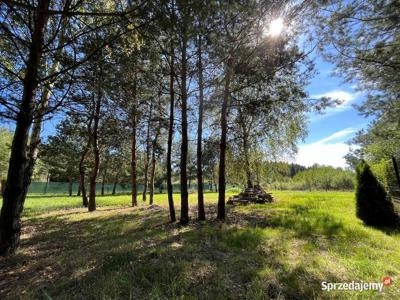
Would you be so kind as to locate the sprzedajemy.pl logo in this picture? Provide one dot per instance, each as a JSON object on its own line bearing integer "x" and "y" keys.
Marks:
{"x": 356, "y": 286}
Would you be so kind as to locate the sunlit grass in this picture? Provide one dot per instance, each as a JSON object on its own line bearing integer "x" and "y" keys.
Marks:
{"x": 279, "y": 250}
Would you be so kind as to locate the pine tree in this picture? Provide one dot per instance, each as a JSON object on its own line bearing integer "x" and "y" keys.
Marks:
{"x": 374, "y": 206}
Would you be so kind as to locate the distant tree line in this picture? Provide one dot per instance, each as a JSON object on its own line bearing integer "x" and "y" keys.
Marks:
{"x": 314, "y": 178}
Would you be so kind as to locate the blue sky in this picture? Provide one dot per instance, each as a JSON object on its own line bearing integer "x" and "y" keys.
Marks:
{"x": 328, "y": 132}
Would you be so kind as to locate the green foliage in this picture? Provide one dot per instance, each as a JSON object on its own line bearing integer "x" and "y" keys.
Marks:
{"x": 315, "y": 178}
{"x": 62, "y": 152}
{"x": 384, "y": 172}
{"x": 374, "y": 206}
{"x": 5, "y": 143}
{"x": 325, "y": 178}
{"x": 366, "y": 38}
{"x": 378, "y": 144}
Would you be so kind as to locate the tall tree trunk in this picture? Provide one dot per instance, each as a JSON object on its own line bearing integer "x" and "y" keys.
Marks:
{"x": 154, "y": 147}
{"x": 184, "y": 145}
{"x": 82, "y": 186}
{"x": 153, "y": 170}
{"x": 96, "y": 154}
{"x": 47, "y": 183}
{"x": 35, "y": 140}
{"x": 2, "y": 184}
{"x": 147, "y": 159}
{"x": 245, "y": 145}
{"x": 79, "y": 189}
{"x": 247, "y": 165}
{"x": 18, "y": 179}
{"x": 115, "y": 184}
{"x": 70, "y": 186}
{"x": 200, "y": 194}
{"x": 171, "y": 134}
{"x": 82, "y": 178}
{"x": 103, "y": 181}
{"x": 396, "y": 170}
{"x": 133, "y": 145}
{"x": 222, "y": 154}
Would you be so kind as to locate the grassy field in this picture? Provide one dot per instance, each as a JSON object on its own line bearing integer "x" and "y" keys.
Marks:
{"x": 282, "y": 250}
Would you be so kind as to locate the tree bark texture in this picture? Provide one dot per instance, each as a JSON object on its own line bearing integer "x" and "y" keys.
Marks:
{"x": 224, "y": 132}
{"x": 18, "y": 178}
{"x": 170, "y": 135}
{"x": 200, "y": 193}
{"x": 184, "y": 219}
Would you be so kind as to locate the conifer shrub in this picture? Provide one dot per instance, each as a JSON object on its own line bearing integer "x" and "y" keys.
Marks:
{"x": 374, "y": 205}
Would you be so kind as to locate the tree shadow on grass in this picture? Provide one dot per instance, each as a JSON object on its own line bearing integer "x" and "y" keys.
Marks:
{"x": 390, "y": 231}
{"x": 136, "y": 255}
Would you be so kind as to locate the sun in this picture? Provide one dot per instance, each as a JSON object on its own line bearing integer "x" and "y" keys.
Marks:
{"x": 275, "y": 27}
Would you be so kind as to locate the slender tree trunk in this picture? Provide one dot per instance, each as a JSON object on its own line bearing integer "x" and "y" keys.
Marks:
{"x": 102, "y": 186}
{"x": 18, "y": 178}
{"x": 184, "y": 145}
{"x": 96, "y": 154}
{"x": 2, "y": 184}
{"x": 103, "y": 181}
{"x": 245, "y": 144}
{"x": 222, "y": 155}
{"x": 396, "y": 170}
{"x": 133, "y": 145}
{"x": 170, "y": 135}
{"x": 147, "y": 161}
{"x": 258, "y": 177}
{"x": 79, "y": 189}
{"x": 153, "y": 172}
{"x": 82, "y": 179}
{"x": 47, "y": 183}
{"x": 115, "y": 184}
{"x": 70, "y": 186}
{"x": 154, "y": 147}
{"x": 82, "y": 186}
{"x": 35, "y": 140}
{"x": 200, "y": 193}
{"x": 247, "y": 166}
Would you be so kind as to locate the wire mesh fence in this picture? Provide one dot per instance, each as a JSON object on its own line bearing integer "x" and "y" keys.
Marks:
{"x": 66, "y": 188}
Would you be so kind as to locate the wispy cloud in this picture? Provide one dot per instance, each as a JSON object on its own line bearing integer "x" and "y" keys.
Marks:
{"x": 343, "y": 96}
{"x": 346, "y": 100}
{"x": 327, "y": 151}
{"x": 339, "y": 135}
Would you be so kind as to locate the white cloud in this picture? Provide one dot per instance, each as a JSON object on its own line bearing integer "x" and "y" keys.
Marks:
{"x": 339, "y": 134}
{"x": 343, "y": 96}
{"x": 325, "y": 151}
{"x": 346, "y": 99}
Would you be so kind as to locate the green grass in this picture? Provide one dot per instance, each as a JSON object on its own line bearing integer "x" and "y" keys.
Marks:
{"x": 282, "y": 250}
